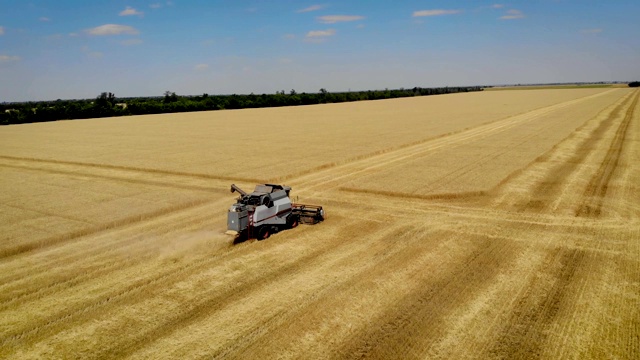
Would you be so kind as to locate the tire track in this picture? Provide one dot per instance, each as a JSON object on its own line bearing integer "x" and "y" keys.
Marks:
{"x": 407, "y": 257}
{"x": 402, "y": 195}
{"x": 149, "y": 285}
{"x": 548, "y": 189}
{"x": 74, "y": 235}
{"x": 132, "y": 169}
{"x": 48, "y": 214}
{"x": 447, "y": 178}
{"x": 537, "y": 308}
{"x": 355, "y": 169}
{"x": 406, "y": 206}
{"x": 423, "y": 311}
{"x": 59, "y": 278}
{"x": 112, "y": 178}
{"x": 417, "y": 145}
{"x": 244, "y": 286}
{"x": 468, "y": 168}
{"x": 127, "y": 236}
{"x": 597, "y": 189}
{"x": 526, "y": 332}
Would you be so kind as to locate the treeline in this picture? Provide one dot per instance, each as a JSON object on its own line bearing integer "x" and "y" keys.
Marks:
{"x": 634, "y": 84}
{"x": 106, "y": 104}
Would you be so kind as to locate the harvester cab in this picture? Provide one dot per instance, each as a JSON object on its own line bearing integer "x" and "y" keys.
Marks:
{"x": 268, "y": 210}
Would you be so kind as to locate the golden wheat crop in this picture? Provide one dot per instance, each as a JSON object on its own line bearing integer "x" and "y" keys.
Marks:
{"x": 500, "y": 224}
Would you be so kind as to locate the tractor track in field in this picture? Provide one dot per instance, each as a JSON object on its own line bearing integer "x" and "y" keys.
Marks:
{"x": 321, "y": 263}
{"x": 245, "y": 285}
{"x": 359, "y": 168}
{"x": 463, "y": 170}
{"x": 111, "y": 178}
{"x": 104, "y": 261}
{"x": 445, "y": 179}
{"x": 101, "y": 250}
{"x": 408, "y": 259}
{"x": 524, "y": 335}
{"x": 347, "y": 171}
{"x": 537, "y": 307}
{"x": 404, "y": 195}
{"x": 74, "y": 235}
{"x": 425, "y": 308}
{"x": 526, "y": 332}
{"x": 416, "y": 148}
{"x": 433, "y": 195}
{"x": 170, "y": 276}
{"x": 551, "y": 187}
{"x": 597, "y": 188}
{"x": 414, "y": 206}
{"x": 45, "y": 213}
{"x": 131, "y": 169}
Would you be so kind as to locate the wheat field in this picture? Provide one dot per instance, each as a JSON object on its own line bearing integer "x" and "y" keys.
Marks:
{"x": 501, "y": 224}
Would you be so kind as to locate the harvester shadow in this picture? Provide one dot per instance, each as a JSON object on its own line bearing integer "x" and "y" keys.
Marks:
{"x": 239, "y": 240}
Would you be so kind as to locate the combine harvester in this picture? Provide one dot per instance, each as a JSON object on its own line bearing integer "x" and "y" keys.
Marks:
{"x": 268, "y": 210}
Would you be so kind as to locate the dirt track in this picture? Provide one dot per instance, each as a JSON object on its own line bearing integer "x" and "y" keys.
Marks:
{"x": 515, "y": 234}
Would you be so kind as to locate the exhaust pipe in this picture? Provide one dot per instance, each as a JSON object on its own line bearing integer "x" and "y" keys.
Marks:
{"x": 235, "y": 188}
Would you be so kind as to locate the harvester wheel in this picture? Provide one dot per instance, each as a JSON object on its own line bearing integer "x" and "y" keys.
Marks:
{"x": 292, "y": 221}
{"x": 264, "y": 233}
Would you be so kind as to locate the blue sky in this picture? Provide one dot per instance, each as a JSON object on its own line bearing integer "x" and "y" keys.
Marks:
{"x": 78, "y": 49}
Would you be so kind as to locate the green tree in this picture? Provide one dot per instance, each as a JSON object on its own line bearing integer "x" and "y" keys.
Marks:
{"x": 169, "y": 97}
{"x": 105, "y": 100}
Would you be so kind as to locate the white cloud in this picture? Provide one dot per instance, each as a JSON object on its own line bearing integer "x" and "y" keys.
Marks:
{"x": 130, "y": 42}
{"x": 512, "y": 15}
{"x": 319, "y": 35}
{"x": 288, "y": 36}
{"x": 201, "y": 67}
{"x": 129, "y": 11}
{"x": 592, "y": 31}
{"x": 310, "y": 8}
{"x": 8, "y": 58}
{"x": 112, "y": 29}
{"x": 332, "y": 19}
{"x": 1, "y": 30}
{"x": 435, "y": 12}
{"x": 74, "y": 34}
{"x": 44, "y": 19}
{"x": 497, "y": 6}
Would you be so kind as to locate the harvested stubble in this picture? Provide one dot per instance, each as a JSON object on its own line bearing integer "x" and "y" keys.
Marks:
{"x": 498, "y": 224}
{"x": 475, "y": 162}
